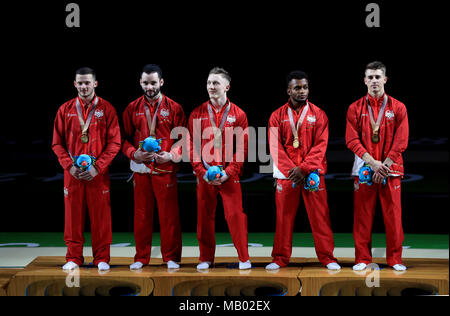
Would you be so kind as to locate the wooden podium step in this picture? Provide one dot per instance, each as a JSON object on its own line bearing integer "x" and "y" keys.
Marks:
{"x": 304, "y": 276}
{"x": 433, "y": 272}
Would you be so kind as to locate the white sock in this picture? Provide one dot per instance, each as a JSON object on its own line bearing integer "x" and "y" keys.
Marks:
{"x": 333, "y": 266}
{"x": 103, "y": 266}
{"x": 70, "y": 266}
{"x": 359, "y": 267}
{"x": 245, "y": 265}
{"x": 203, "y": 265}
{"x": 136, "y": 266}
{"x": 399, "y": 267}
{"x": 272, "y": 266}
{"x": 172, "y": 265}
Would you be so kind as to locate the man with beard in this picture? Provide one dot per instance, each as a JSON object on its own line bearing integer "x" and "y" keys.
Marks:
{"x": 86, "y": 125}
{"x": 377, "y": 133}
{"x": 298, "y": 138}
{"x": 155, "y": 180}
{"x": 219, "y": 116}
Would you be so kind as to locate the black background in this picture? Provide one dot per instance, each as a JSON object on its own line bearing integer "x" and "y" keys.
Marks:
{"x": 258, "y": 43}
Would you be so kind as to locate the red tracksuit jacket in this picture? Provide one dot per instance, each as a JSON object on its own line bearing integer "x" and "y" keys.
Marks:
{"x": 313, "y": 136}
{"x": 104, "y": 135}
{"x": 135, "y": 128}
{"x": 235, "y": 118}
{"x": 394, "y": 131}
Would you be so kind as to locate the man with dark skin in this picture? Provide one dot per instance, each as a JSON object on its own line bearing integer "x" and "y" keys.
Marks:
{"x": 298, "y": 138}
{"x": 298, "y": 91}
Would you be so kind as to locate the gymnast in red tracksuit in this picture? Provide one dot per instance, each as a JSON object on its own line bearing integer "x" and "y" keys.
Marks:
{"x": 377, "y": 132}
{"x": 298, "y": 138}
{"x": 86, "y": 125}
{"x": 155, "y": 179}
{"x": 210, "y": 148}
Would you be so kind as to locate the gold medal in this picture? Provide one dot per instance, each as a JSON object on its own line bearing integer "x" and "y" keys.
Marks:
{"x": 84, "y": 138}
{"x": 376, "y": 125}
{"x": 375, "y": 138}
{"x": 296, "y": 128}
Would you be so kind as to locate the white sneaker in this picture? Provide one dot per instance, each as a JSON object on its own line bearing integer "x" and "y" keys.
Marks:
{"x": 203, "y": 265}
{"x": 70, "y": 266}
{"x": 333, "y": 266}
{"x": 399, "y": 267}
{"x": 172, "y": 265}
{"x": 245, "y": 265}
{"x": 136, "y": 266}
{"x": 359, "y": 267}
{"x": 272, "y": 266}
{"x": 103, "y": 266}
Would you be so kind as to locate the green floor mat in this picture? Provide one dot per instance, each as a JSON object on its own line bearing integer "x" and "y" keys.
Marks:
{"x": 56, "y": 239}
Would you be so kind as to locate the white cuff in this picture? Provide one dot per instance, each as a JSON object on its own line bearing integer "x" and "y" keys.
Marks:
{"x": 138, "y": 167}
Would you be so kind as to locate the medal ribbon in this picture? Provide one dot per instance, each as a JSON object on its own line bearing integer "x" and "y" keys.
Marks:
{"x": 217, "y": 130}
{"x": 376, "y": 126}
{"x": 82, "y": 117}
{"x": 152, "y": 121}
{"x": 213, "y": 121}
{"x": 152, "y": 127}
{"x": 300, "y": 120}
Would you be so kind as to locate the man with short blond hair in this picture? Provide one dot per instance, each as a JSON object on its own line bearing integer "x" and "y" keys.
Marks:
{"x": 216, "y": 115}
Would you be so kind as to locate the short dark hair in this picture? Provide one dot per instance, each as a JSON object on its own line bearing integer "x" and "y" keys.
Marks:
{"x": 151, "y": 68}
{"x": 220, "y": 71}
{"x": 375, "y": 65}
{"x": 86, "y": 71}
{"x": 296, "y": 74}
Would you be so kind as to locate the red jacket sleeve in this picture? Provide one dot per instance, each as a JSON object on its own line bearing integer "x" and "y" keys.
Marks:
{"x": 112, "y": 141}
{"x": 179, "y": 121}
{"x": 352, "y": 132}
{"x": 234, "y": 168}
{"x": 128, "y": 148}
{"x": 280, "y": 158}
{"x": 316, "y": 155}
{"x": 400, "y": 142}
{"x": 195, "y": 144}
{"x": 59, "y": 142}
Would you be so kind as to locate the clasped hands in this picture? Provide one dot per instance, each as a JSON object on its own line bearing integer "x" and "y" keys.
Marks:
{"x": 86, "y": 175}
{"x": 220, "y": 180}
{"x": 141, "y": 156}
{"x": 380, "y": 171}
{"x": 296, "y": 176}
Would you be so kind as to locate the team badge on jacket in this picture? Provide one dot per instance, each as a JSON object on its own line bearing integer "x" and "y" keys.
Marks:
{"x": 389, "y": 115}
{"x": 99, "y": 113}
{"x": 311, "y": 119}
{"x": 164, "y": 113}
{"x": 231, "y": 119}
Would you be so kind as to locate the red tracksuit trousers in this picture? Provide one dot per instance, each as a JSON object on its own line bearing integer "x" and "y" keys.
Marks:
{"x": 93, "y": 195}
{"x": 161, "y": 190}
{"x": 287, "y": 201}
{"x": 365, "y": 197}
{"x": 231, "y": 194}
